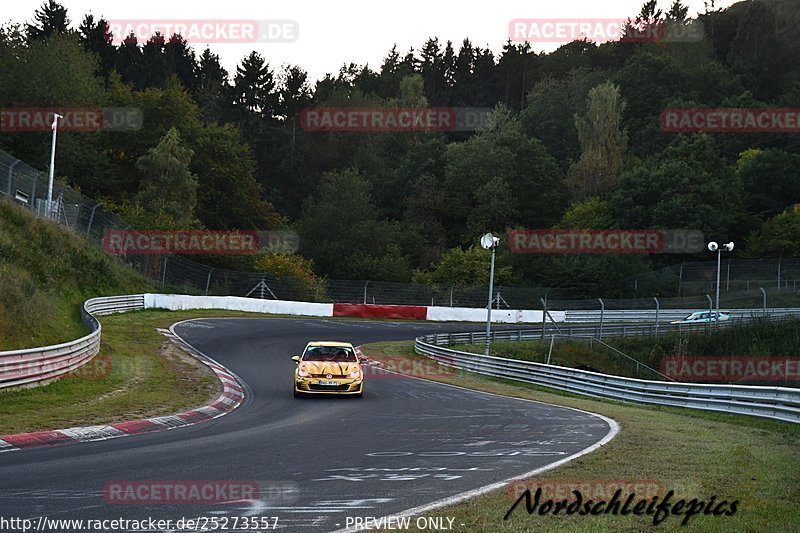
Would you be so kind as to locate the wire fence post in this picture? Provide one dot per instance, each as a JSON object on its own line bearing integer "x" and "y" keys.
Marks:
{"x": 452, "y": 288}
{"x": 710, "y": 311}
{"x": 164, "y": 272}
{"x": 602, "y": 313}
{"x": 764, "y": 300}
{"x": 728, "y": 278}
{"x": 91, "y": 219}
{"x": 544, "y": 315}
{"x": 657, "y": 309}
{"x": 680, "y": 279}
{"x": 11, "y": 176}
{"x": 779, "y": 274}
{"x": 208, "y": 280}
{"x": 365, "y": 292}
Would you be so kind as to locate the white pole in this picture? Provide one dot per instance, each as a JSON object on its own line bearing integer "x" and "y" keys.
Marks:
{"x": 54, "y": 127}
{"x": 489, "y": 307}
{"x": 719, "y": 259}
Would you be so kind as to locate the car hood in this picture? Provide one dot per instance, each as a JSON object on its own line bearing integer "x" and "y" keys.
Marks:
{"x": 334, "y": 369}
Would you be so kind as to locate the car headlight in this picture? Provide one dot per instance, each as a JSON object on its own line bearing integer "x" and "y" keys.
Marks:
{"x": 302, "y": 372}
{"x": 354, "y": 375}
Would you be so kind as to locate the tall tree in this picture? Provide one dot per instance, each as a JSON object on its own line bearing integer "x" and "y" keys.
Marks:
{"x": 213, "y": 92}
{"x": 168, "y": 190}
{"x": 130, "y": 62}
{"x": 97, "y": 39}
{"x": 181, "y": 61}
{"x": 50, "y": 18}
{"x": 342, "y": 206}
{"x": 223, "y": 162}
{"x": 771, "y": 178}
{"x": 156, "y": 71}
{"x": 603, "y": 143}
{"x": 254, "y": 87}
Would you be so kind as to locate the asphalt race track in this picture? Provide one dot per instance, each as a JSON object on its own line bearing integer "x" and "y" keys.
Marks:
{"x": 406, "y": 443}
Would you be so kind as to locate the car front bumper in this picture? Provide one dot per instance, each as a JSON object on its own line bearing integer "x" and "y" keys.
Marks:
{"x": 343, "y": 386}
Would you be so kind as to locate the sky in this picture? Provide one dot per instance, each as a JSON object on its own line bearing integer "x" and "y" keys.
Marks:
{"x": 322, "y": 35}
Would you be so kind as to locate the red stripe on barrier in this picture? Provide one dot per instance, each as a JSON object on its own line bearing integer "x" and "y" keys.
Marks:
{"x": 40, "y": 438}
{"x": 137, "y": 426}
{"x": 194, "y": 416}
{"x": 416, "y": 312}
{"x": 220, "y": 406}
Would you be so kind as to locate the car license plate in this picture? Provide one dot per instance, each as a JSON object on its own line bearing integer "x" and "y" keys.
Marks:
{"x": 328, "y": 382}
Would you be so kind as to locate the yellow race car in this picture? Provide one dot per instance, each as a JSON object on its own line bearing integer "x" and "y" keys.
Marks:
{"x": 328, "y": 367}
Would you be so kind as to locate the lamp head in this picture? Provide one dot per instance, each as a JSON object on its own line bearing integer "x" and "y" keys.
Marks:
{"x": 489, "y": 241}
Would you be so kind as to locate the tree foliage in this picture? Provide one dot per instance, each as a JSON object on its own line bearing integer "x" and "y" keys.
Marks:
{"x": 226, "y": 148}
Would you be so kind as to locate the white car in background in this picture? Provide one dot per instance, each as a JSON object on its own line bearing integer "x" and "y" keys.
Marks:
{"x": 701, "y": 317}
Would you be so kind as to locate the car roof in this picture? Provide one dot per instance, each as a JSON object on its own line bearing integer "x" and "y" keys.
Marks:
{"x": 331, "y": 343}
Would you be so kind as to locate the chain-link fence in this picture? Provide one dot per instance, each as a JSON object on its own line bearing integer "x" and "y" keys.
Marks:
{"x": 740, "y": 279}
{"x": 700, "y": 277}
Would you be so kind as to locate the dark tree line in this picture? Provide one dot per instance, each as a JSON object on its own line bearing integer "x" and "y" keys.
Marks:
{"x": 575, "y": 141}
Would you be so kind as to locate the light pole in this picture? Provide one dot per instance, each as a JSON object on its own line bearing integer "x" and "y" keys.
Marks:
{"x": 54, "y": 127}
{"x": 489, "y": 241}
{"x": 714, "y": 247}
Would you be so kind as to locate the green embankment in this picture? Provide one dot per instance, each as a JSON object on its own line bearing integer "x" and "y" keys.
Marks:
{"x": 46, "y": 273}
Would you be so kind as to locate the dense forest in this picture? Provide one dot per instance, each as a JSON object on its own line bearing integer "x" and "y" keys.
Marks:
{"x": 575, "y": 142}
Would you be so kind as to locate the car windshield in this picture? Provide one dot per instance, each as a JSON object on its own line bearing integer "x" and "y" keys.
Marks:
{"x": 335, "y": 354}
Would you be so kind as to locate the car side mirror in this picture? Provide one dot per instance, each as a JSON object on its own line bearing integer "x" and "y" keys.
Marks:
{"x": 296, "y": 358}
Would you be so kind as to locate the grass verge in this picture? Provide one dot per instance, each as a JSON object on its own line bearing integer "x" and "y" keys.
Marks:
{"x": 697, "y": 454}
{"x": 137, "y": 374}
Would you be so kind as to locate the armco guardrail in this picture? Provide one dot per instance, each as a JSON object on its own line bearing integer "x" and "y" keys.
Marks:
{"x": 778, "y": 403}
{"x": 38, "y": 365}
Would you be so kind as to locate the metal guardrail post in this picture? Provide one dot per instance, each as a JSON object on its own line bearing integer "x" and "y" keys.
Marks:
{"x": 602, "y": 312}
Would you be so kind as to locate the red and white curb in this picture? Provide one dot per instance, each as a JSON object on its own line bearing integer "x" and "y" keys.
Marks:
{"x": 231, "y": 398}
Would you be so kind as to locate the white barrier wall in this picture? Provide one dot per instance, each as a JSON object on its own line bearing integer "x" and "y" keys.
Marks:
{"x": 176, "y": 302}
{"x": 505, "y": 316}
